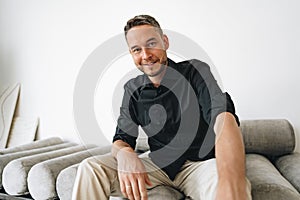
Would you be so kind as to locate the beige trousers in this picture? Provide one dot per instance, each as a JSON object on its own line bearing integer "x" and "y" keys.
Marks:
{"x": 97, "y": 178}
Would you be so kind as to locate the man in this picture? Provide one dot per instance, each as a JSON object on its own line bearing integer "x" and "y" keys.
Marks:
{"x": 180, "y": 107}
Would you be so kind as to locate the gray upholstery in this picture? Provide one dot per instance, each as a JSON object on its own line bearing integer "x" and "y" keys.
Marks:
{"x": 6, "y": 158}
{"x": 42, "y": 177}
{"x": 14, "y": 177}
{"x": 289, "y": 166}
{"x": 268, "y": 137}
{"x": 65, "y": 181}
{"x": 266, "y": 181}
{"x": 32, "y": 145}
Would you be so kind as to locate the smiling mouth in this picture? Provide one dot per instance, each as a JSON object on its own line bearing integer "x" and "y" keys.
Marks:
{"x": 149, "y": 64}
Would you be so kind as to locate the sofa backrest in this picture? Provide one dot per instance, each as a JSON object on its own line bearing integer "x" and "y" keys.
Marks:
{"x": 270, "y": 137}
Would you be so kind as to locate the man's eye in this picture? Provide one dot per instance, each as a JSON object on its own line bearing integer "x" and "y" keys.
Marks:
{"x": 151, "y": 44}
{"x": 136, "y": 50}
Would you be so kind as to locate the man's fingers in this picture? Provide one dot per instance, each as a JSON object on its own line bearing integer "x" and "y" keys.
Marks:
{"x": 133, "y": 186}
{"x": 147, "y": 180}
{"x": 142, "y": 189}
{"x": 123, "y": 188}
{"x": 136, "y": 190}
{"x": 129, "y": 193}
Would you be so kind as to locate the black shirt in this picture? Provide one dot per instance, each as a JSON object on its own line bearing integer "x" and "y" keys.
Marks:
{"x": 178, "y": 116}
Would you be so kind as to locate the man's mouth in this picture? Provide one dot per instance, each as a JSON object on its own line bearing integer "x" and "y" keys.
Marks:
{"x": 149, "y": 63}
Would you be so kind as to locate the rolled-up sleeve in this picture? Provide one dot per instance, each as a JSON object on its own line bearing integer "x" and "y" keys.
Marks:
{"x": 210, "y": 96}
{"x": 127, "y": 128}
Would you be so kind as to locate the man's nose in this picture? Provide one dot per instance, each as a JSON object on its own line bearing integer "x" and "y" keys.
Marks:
{"x": 146, "y": 53}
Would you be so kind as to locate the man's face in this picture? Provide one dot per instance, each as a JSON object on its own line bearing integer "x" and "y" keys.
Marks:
{"x": 148, "y": 49}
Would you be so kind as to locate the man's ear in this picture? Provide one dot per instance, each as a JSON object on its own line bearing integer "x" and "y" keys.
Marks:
{"x": 166, "y": 41}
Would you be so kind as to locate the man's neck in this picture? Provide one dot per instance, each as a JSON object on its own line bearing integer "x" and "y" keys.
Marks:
{"x": 156, "y": 80}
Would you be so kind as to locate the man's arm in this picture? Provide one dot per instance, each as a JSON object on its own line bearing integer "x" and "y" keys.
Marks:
{"x": 131, "y": 171}
{"x": 230, "y": 156}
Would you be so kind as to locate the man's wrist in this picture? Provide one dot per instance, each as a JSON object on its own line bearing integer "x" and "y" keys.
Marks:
{"x": 127, "y": 150}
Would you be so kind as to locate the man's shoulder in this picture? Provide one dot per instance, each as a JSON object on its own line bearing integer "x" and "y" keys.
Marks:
{"x": 192, "y": 63}
{"x": 191, "y": 66}
{"x": 135, "y": 82}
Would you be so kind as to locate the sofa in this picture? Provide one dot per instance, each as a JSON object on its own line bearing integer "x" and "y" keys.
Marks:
{"x": 46, "y": 169}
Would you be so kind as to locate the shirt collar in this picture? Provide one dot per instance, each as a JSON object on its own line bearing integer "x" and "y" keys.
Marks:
{"x": 171, "y": 73}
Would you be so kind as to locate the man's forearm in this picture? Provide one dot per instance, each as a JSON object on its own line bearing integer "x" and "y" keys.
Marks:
{"x": 230, "y": 153}
{"x": 230, "y": 157}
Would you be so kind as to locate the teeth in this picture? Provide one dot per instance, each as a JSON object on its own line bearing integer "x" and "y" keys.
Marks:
{"x": 152, "y": 63}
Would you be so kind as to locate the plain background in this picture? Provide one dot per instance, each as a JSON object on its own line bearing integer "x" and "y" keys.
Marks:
{"x": 254, "y": 45}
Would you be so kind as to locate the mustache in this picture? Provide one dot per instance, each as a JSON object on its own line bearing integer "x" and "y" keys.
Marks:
{"x": 160, "y": 60}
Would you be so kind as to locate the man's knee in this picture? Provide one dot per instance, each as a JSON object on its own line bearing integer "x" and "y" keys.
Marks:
{"x": 95, "y": 164}
{"x": 94, "y": 174}
{"x": 86, "y": 163}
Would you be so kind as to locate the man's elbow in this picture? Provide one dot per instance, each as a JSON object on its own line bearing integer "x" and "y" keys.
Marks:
{"x": 225, "y": 121}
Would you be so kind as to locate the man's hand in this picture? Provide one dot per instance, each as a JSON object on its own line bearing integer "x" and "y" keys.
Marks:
{"x": 132, "y": 174}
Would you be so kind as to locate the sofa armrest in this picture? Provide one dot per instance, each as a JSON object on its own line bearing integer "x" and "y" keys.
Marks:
{"x": 273, "y": 137}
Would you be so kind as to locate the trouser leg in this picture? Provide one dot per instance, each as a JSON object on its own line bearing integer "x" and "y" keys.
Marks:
{"x": 95, "y": 180}
{"x": 97, "y": 177}
{"x": 199, "y": 180}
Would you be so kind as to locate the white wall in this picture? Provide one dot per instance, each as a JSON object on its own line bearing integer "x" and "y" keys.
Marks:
{"x": 254, "y": 44}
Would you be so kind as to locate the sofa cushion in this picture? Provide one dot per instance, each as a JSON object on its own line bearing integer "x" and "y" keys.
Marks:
{"x": 42, "y": 177}
{"x": 289, "y": 166}
{"x": 65, "y": 182}
{"x": 6, "y": 158}
{"x": 15, "y": 173}
{"x": 266, "y": 181}
{"x": 268, "y": 137}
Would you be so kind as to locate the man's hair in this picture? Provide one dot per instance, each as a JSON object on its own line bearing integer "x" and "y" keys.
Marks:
{"x": 142, "y": 20}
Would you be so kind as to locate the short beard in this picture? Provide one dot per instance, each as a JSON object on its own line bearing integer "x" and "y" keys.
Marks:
{"x": 162, "y": 68}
